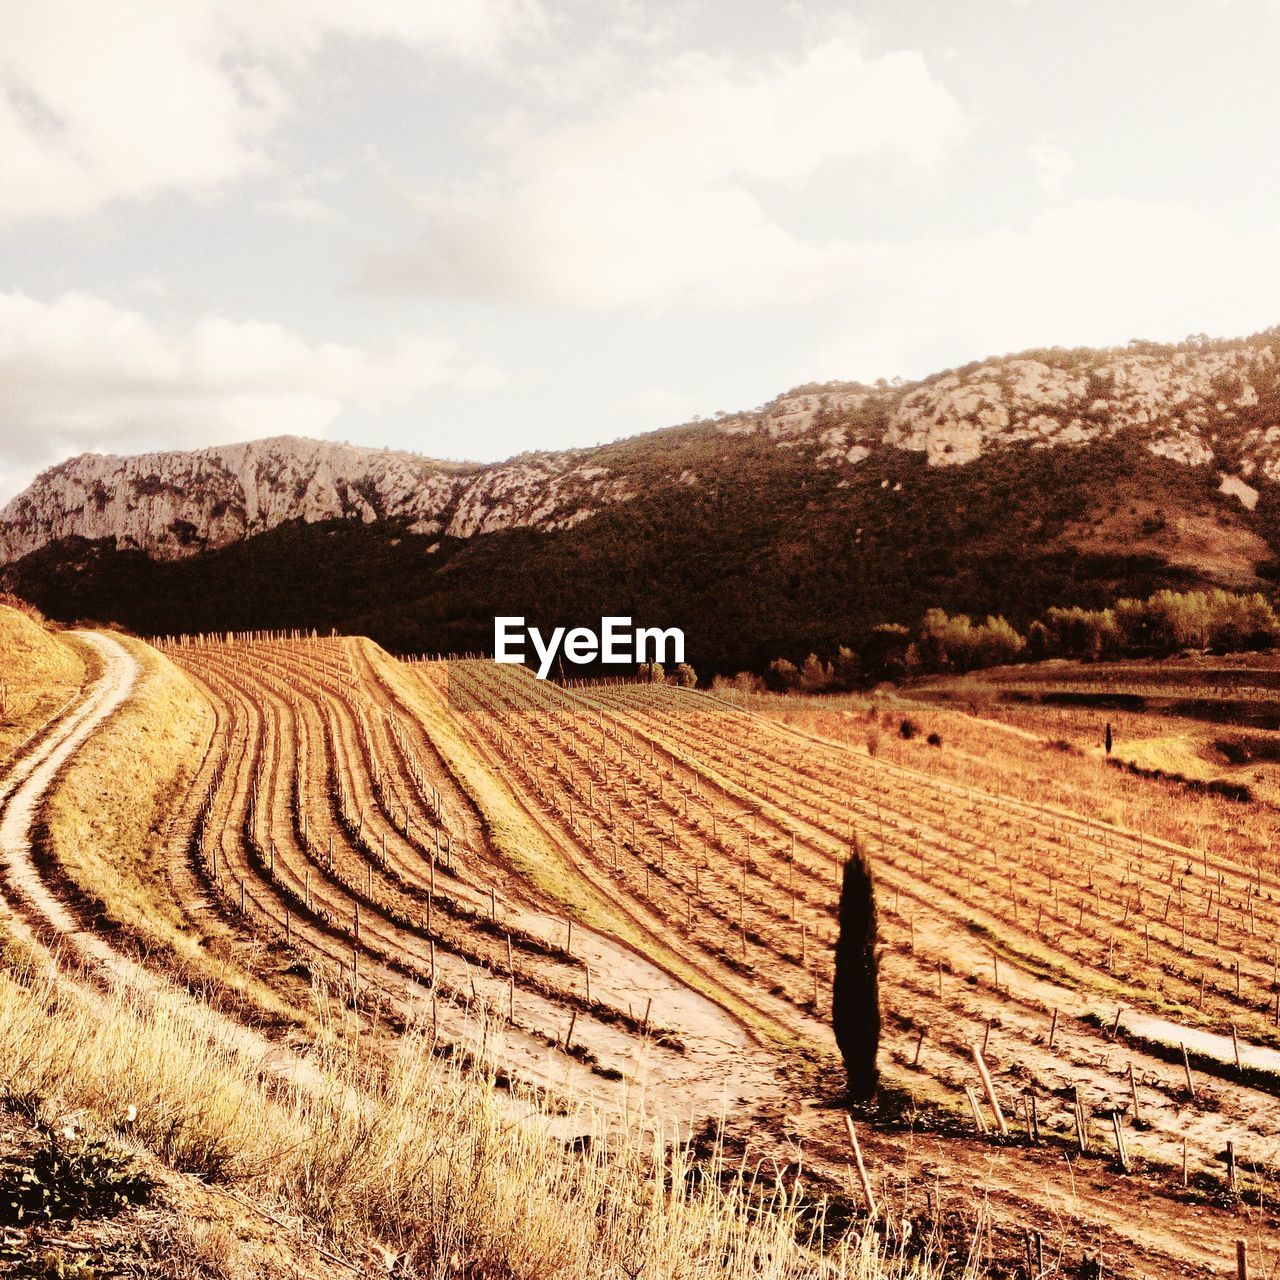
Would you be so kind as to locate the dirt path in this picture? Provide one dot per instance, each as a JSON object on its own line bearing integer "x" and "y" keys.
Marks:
{"x": 35, "y": 916}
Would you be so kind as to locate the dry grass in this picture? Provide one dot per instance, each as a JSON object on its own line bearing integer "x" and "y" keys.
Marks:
{"x": 39, "y": 671}
{"x": 416, "y": 1160}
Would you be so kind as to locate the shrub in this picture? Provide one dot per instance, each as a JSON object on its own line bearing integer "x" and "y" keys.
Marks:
{"x": 816, "y": 675}
{"x": 782, "y": 676}
{"x": 908, "y": 729}
{"x": 70, "y": 1176}
{"x": 934, "y": 739}
{"x": 847, "y": 673}
{"x": 956, "y": 644}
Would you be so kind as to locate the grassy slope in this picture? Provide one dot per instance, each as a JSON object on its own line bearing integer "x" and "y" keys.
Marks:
{"x": 39, "y": 672}
{"x": 105, "y": 824}
{"x": 416, "y": 1160}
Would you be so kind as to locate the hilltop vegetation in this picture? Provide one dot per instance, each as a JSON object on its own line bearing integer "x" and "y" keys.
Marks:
{"x": 767, "y": 555}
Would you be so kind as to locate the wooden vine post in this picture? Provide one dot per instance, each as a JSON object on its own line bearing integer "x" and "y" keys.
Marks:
{"x": 872, "y": 1207}
{"x": 1001, "y": 1127}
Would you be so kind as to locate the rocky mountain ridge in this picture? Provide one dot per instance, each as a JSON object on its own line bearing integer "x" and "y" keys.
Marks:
{"x": 175, "y": 504}
{"x": 1201, "y": 403}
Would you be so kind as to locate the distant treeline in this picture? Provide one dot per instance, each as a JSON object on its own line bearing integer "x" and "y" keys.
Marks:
{"x": 1166, "y": 622}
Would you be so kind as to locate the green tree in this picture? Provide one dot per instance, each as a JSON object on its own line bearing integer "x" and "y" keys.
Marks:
{"x": 855, "y": 992}
{"x": 815, "y": 675}
{"x": 848, "y": 669}
{"x": 782, "y": 676}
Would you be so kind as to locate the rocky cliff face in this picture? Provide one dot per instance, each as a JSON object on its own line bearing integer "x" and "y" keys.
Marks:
{"x": 1201, "y": 403}
{"x": 172, "y": 505}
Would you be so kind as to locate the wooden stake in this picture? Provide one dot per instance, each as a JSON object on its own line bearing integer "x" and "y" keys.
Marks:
{"x": 1120, "y": 1151}
{"x": 872, "y": 1208}
{"x": 915, "y": 1061}
{"x": 1186, "y": 1067}
{"x": 1082, "y": 1132}
{"x": 1001, "y": 1127}
{"x": 978, "y": 1118}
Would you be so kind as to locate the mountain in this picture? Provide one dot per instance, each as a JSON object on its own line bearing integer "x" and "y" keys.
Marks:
{"x": 1048, "y": 477}
{"x": 175, "y": 504}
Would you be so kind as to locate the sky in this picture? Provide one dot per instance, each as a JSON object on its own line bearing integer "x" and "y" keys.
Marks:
{"x": 471, "y": 228}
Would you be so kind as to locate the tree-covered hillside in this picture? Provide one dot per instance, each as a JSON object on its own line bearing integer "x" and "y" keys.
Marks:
{"x": 755, "y": 551}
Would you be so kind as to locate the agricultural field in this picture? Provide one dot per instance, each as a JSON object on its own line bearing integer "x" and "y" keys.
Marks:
{"x": 344, "y": 926}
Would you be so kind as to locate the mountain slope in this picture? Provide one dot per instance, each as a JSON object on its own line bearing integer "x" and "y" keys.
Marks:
{"x": 1050, "y": 477}
{"x": 1202, "y": 403}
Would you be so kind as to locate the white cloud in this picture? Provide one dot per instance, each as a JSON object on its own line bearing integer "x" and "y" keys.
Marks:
{"x": 467, "y": 28}
{"x": 1089, "y": 273}
{"x": 1053, "y": 165}
{"x": 102, "y": 102}
{"x": 662, "y": 201}
{"x": 79, "y": 373}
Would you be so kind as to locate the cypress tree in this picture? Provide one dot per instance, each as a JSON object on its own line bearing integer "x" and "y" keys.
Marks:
{"x": 855, "y": 994}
